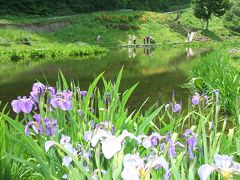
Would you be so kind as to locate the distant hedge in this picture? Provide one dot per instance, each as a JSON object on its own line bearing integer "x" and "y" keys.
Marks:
{"x": 232, "y": 17}
{"x": 65, "y": 7}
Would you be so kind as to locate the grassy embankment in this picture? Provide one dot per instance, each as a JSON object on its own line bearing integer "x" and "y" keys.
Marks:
{"x": 220, "y": 69}
{"x": 114, "y": 28}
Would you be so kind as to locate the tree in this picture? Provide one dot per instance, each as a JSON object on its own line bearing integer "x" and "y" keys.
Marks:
{"x": 232, "y": 17}
{"x": 205, "y": 9}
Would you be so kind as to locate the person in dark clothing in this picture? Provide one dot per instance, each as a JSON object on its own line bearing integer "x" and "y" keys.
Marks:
{"x": 150, "y": 39}
{"x": 147, "y": 39}
{"x": 134, "y": 39}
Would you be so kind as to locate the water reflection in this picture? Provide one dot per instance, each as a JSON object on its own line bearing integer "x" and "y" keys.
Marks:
{"x": 147, "y": 51}
{"x": 159, "y": 71}
{"x": 190, "y": 52}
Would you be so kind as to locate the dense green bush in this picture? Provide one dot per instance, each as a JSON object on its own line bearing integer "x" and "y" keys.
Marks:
{"x": 16, "y": 56}
{"x": 232, "y": 17}
{"x": 63, "y": 7}
{"x": 53, "y": 51}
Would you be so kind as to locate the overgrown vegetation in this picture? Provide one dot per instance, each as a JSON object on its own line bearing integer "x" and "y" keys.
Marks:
{"x": 220, "y": 69}
{"x": 73, "y": 133}
{"x": 64, "y": 7}
{"x": 52, "y": 51}
{"x": 114, "y": 28}
{"x": 232, "y": 17}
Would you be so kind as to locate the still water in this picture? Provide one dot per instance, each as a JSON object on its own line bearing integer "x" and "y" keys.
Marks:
{"x": 159, "y": 71}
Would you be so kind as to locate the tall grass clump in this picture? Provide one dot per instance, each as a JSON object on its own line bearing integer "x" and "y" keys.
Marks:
{"x": 52, "y": 51}
{"x": 216, "y": 71}
{"x": 65, "y": 132}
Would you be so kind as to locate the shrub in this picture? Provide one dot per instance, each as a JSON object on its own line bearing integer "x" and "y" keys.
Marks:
{"x": 135, "y": 27}
{"x": 124, "y": 19}
{"x": 16, "y": 56}
{"x": 38, "y": 53}
{"x": 4, "y": 42}
{"x": 124, "y": 26}
{"x": 232, "y": 17}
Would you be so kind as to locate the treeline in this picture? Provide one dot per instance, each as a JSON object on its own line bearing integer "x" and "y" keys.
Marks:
{"x": 65, "y": 7}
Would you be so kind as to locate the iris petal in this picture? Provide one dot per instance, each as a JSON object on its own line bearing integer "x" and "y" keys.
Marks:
{"x": 48, "y": 144}
{"x": 205, "y": 171}
{"x": 110, "y": 146}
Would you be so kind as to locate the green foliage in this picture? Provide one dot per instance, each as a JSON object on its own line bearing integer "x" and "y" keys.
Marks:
{"x": 63, "y": 7}
{"x": 53, "y": 51}
{"x": 16, "y": 56}
{"x": 216, "y": 71}
{"x": 205, "y": 9}
{"x": 27, "y": 153}
{"x": 232, "y": 17}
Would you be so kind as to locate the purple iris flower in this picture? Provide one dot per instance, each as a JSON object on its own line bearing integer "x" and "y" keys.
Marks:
{"x": 204, "y": 96}
{"x": 172, "y": 147}
{"x": 51, "y": 126}
{"x": 176, "y": 107}
{"x": 154, "y": 141}
{"x": 66, "y": 161}
{"x": 206, "y": 99}
{"x": 37, "y": 89}
{"x": 167, "y": 175}
{"x": 51, "y": 90}
{"x": 92, "y": 124}
{"x": 23, "y": 104}
{"x": 187, "y": 132}
{"x": 109, "y": 99}
{"x": 36, "y": 125}
{"x": 113, "y": 130}
{"x": 88, "y": 135}
{"x": 92, "y": 110}
{"x": 155, "y": 138}
{"x": 83, "y": 93}
{"x": 216, "y": 92}
{"x": 191, "y": 138}
{"x": 162, "y": 146}
{"x": 80, "y": 113}
{"x": 196, "y": 99}
{"x": 62, "y": 100}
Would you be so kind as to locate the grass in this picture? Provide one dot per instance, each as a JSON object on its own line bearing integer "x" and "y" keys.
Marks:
{"x": 25, "y": 157}
{"x": 219, "y": 70}
{"x": 115, "y": 26}
{"x": 51, "y": 51}
{"x": 33, "y": 162}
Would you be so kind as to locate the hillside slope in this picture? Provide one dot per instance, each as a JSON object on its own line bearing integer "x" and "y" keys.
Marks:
{"x": 113, "y": 27}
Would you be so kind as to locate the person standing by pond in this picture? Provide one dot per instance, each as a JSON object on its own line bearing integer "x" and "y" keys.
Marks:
{"x": 98, "y": 38}
{"x": 190, "y": 36}
{"x": 147, "y": 39}
{"x": 150, "y": 39}
{"x": 134, "y": 39}
{"x": 129, "y": 39}
{"x": 144, "y": 40}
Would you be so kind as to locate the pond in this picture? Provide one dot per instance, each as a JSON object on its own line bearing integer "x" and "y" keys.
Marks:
{"x": 159, "y": 71}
